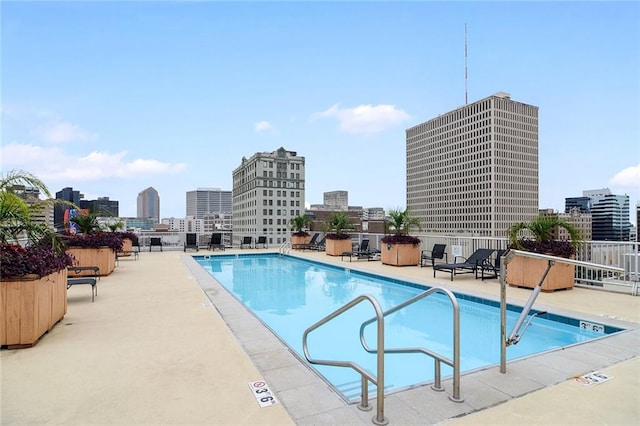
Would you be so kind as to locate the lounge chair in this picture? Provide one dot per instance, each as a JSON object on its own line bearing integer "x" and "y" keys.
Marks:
{"x": 320, "y": 245}
{"x": 492, "y": 268}
{"x": 246, "y": 241}
{"x": 311, "y": 242}
{"x": 361, "y": 252}
{"x": 470, "y": 265}
{"x": 191, "y": 242}
{"x": 155, "y": 242}
{"x": 262, "y": 241}
{"x": 429, "y": 256}
{"x": 215, "y": 242}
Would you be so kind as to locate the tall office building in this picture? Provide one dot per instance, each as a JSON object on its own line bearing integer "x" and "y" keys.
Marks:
{"x": 268, "y": 191}
{"x": 66, "y": 194}
{"x": 103, "y": 206}
{"x": 149, "y": 204}
{"x": 610, "y": 215}
{"x": 474, "y": 169}
{"x": 207, "y": 201}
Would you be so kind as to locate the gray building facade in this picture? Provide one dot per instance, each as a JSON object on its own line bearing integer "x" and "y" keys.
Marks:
{"x": 268, "y": 191}
{"x": 474, "y": 170}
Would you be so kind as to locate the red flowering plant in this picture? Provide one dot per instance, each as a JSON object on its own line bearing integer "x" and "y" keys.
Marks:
{"x": 27, "y": 246}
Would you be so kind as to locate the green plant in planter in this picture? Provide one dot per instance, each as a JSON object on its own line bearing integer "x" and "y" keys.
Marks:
{"x": 299, "y": 223}
{"x": 113, "y": 227}
{"x": 400, "y": 224}
{"x": 87, "y": 223}
{"x": 27, "y": 247}
{"x": 540, "y": 236}
{"x": 335, "y": 226}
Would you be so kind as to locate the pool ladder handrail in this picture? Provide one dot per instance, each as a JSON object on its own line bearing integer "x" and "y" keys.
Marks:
{"x": 438, "y": 359}
{"x": 285, "y": 247}
{"x": 367, "y": 377}
{"x": 515, "y": 335}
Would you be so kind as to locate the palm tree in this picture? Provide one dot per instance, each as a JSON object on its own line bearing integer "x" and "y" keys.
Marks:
{"x": 336, "y": 224}
{"x": 16, "y": 215}
{"x": 400, "y": 224}
{"x": 299, "y": 223}
{"x": 87, "y": 222}
{"x": 541, "y": 236}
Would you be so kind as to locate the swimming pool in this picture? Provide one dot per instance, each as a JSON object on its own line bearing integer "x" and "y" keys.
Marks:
{"x": 289, "y": 294}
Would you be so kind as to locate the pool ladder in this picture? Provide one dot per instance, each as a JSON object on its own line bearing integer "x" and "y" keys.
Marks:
{"x": 380, "y": 350}
{"x": 285, "y": 247}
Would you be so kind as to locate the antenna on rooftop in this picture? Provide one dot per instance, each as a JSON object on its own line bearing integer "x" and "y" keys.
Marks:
{"x": 465, "y": 64}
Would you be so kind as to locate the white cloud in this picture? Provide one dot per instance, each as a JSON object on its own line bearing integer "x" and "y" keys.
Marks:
{"x": 63, "y": 132}
{"x": 365, "y": 118}
{"x": 51, "y": 164}
{"x": 262, "y": 126}
{"x": 627, "y": 178}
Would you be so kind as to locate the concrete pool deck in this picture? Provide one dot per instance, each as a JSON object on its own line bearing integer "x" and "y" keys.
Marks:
{"x": 163, "y": 344}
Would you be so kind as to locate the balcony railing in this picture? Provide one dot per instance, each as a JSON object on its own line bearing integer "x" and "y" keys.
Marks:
{"x": 619, "y": 254}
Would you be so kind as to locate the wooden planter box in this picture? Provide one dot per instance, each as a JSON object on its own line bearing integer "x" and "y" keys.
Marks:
{"x": 30, "y": 307}
{"x": 337, "y": 247}
{"x": 400, "y": 254}
{"x": 127, "y": 247}
{"x": 299, "y": 242}
{"x": 103, "y": 257}
{"x": 526, "y": 272}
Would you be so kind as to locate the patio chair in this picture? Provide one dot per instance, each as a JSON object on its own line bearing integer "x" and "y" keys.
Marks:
{"x": 216, "y": 242}
{"x": 262, "y": 240}
{"x": 246, "y": 241}
{"x": 311, "y": 242}
{"x": 430, "y": 256}
{"x": 320, "y": 245}
{"x": 492, "y": 268}
{"x": 155, "y": 242}
{"x": 191, "y": 242}
{"x": 361, "y": 252}
{"x": 470, "y": 265}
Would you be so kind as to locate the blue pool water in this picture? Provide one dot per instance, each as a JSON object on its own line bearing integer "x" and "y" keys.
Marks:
{"x": 290, "y": 294}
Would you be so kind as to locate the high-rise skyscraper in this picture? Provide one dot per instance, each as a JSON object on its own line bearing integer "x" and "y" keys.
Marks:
{"x": 268, "y": 191}
{"x": 609, "y": 215}
{"x": 149, "y": 204}
{"x": 208, "y": 201}
{"x": 66, "y": 194}
{"x": 474, "y": 169}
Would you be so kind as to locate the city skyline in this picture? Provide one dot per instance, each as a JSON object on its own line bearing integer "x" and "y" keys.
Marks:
{"x": 110, "y": 98}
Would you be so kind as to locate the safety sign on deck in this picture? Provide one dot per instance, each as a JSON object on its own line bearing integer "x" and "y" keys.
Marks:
{"x": 263, "y": 394}
{"x": 593, "y": 378}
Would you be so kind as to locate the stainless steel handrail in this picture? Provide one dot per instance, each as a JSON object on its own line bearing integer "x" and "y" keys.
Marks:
{"x": 508, "y": 257}
{"x": 379, "y": 418}
{"x": 285, "y": 247}
{"x": 455, "y": 363}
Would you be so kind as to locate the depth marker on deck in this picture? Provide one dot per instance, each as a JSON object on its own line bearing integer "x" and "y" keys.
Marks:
{"x": 592, "y": 378}
{"x": 262, "y": 393}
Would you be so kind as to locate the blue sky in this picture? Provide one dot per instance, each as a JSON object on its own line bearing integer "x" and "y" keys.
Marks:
{"x": 113, "y": 97}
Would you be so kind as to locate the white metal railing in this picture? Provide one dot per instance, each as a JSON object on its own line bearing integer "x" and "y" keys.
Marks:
{"x": 618, "y": 254}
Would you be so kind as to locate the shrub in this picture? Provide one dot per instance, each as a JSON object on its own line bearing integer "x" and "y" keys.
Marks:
{"x": 130, "y": 235}
{"x": 95, "y": 240}
{"x": 17, "y": 261}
